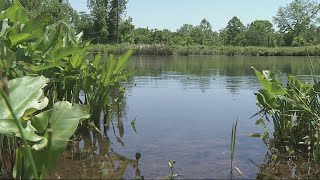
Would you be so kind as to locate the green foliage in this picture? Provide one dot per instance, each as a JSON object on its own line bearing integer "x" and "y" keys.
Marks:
{"x": 297, "y": 18}
{"x": 62, "y": 119}
{"x": 235, "y": 32}
{"x": 106, "y": 21}
{"x": 260, "y": 33}
{"x": 46, "y": 107}
{"x": 294, "y": 111}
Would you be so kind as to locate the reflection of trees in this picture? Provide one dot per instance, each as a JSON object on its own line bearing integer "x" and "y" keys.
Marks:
{"x": 231, "y": 66}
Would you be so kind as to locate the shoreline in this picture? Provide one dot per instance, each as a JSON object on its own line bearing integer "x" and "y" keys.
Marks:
{"x": 167, "y": 50}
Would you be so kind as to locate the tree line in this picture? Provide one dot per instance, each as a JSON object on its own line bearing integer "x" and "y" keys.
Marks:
{"x": 296, "y": 24}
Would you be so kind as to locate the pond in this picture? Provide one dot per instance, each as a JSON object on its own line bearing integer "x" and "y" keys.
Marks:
{"x": 184, "y": 108}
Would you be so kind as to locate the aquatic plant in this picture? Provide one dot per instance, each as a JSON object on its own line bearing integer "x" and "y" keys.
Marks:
{"x": 294, "y": 111}
{"x": 233, "y": 143}
{"x": 44, "y": 133}
{"x": 56, "y": 84}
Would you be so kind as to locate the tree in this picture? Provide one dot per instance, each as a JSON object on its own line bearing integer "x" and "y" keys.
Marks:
{"x": 183, "y": 36}
{"x": 59, "y": 9}
{"x": 185, "y": 29}
{"x": 235, "y": 32}
{"x": 99, "y": 13}
{"x": 117, "y": 8}
{"x": 296, "y": 18}
{"x": 126, "y": 31}
{"x": 142, "y": 36}
{"x": 107, "y": 18}
{"x": 85, "y": 24}
{"x": 260, "y": 33}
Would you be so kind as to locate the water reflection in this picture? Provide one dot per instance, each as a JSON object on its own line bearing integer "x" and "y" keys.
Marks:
{"x": 93, "y": 158}
{"x": 184, "y": 109}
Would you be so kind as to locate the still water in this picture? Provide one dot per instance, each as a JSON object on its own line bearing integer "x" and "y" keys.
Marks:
{"x": 184, "y": 108}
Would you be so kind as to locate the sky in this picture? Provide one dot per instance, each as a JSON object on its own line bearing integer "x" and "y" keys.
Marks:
{"x": 172, "y": 14}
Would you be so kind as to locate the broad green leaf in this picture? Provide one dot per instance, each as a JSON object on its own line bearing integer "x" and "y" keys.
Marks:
{"x": 64, "y": 119}
{"x": 77, "y": 58}
{"x": 122, "y": 60}
{"x": 15, "y": 13}
{"x": 269, "y": 99}
{"x": 63, "y": 52}
{"x": 8, "y": 127}
{"x": 108, "y": 71}
{"x": 25, "y": 93}
{"x": 15, "y": 39}
{"x": 37, "y": 25}
{"x": 46, "y": 65}
{"x": 97, "y": 61}
{"x": 40, "y": 121}
{"x": 272, "y": 87}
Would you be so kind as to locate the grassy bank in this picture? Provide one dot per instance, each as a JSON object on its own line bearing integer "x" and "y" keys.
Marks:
{"x": 158, "y": 49}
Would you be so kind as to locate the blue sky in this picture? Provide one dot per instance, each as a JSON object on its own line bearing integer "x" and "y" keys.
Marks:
{"x": 171, "y": 14}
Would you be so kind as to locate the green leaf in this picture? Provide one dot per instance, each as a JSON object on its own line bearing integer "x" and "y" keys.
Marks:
{"x": 37, "y": 25}
{"x": 63, "y": 52}
{"x": 96, "y": 62}
{"x": 108, "y": 71}
{"x": 272, "y": 87}
{"x": 44, "y": 66}
{"x": 64, "y": 119}
{"x": 8, "y": 127}
{"x": 15, "y": 13}
{"x": 15, "y": 39}
{"x": 41, "y": 121}
{"x": 25, "y": 94}
{"x": 122, "y": 60}
{"x": 77, "y": 58}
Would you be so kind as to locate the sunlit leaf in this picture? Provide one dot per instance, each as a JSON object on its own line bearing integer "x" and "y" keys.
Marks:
{"x": 25, "y": 94}
{"x": 16, "y": 13}
{"x": 272, "y": 87}
{"x": 15, "y": 39}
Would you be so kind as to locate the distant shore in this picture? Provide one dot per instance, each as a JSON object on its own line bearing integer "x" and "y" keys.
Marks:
{"x": 166, "y": 50}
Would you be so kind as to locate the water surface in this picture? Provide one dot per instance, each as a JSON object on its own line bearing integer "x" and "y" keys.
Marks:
{"x": 184, "y": 109}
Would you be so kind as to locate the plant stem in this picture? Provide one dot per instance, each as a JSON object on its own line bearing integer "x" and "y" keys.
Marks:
{"x": 24, "y": 141}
